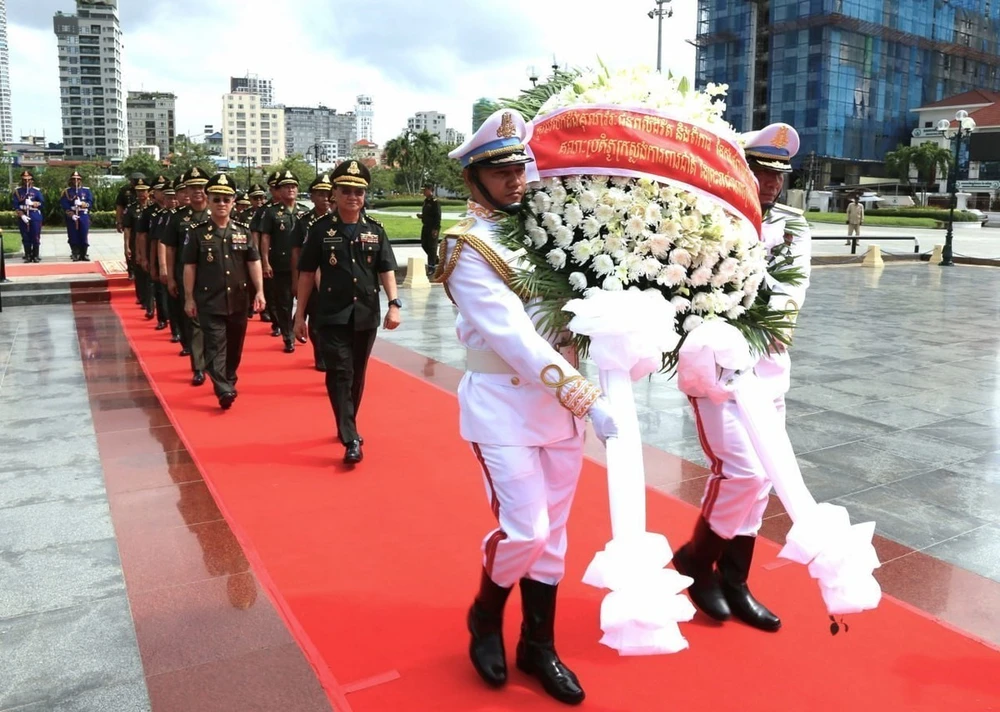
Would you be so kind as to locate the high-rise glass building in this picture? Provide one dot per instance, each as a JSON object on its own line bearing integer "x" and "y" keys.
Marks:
{"x": 90, "y": 80}
{"x": 364, "y": 113}
{"x": 6, "y": 118}
{"x": 845, "y": 73}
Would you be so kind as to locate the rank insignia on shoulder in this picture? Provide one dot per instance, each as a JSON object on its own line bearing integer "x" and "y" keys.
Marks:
{"x": 461, "y": 227}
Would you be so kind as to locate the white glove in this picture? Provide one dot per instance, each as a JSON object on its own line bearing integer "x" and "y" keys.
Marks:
{"x": 76, "y": 218}
{"x": 603, "y": 420}
{"x": 26, "y": 219}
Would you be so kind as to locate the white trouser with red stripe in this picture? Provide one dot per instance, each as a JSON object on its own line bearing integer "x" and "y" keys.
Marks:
{"x": 737, "y": 490}
{"x": 530, "y": 490}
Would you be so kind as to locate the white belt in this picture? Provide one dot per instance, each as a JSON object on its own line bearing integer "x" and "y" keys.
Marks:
{"x": 487, "y": 362}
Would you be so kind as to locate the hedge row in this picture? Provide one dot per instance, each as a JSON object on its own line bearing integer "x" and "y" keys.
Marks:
{"x": 932, "y": 213}
{"x": 413, "y": 202}
{"x": 102, "y": 219}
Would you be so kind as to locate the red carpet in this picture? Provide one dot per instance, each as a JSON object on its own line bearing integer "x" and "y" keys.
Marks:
{"x": 373, "y": 569}
{"x": 49, "y": 269}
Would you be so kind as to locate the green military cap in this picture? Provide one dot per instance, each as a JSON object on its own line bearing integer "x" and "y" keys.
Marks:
{"x": 286, "y": 177}
{"x": 272, "y": 179}
{"x": 257, "y": 191}
{"x": 241, "y": 198}
{"x": 321, "y": 182}
{"x": 195, "y": 176}
{"x": 140, "y": 184}
{"x": 170, "y": 187}
{"x": 220, "y": 183}
{"x": 160, "y": 183}
{"x": 353, "y": 173}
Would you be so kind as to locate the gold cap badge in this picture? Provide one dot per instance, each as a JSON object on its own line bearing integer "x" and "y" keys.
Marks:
{"x": 781, "y": 138}
{"x": 506, "y": 129}
{"x": 353, "y": 168}
{"x": 223, "y": 180}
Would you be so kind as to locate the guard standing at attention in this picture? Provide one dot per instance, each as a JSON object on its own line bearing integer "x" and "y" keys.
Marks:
{"x": 276, "y": 237}
{"x": 130, "y": 226}
{"x": 77, "y": 201}
{"x": 430, "y": 216}
{"x": 27, "y": 202}
{"x": 319, "y": 193}
{"x": 220, "y": 264}
{"x": 353, "y": 254}
{"x": 255, "y": 221}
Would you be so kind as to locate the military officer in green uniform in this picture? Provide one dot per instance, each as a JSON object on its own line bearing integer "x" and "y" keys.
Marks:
{"x": 220, "y": 265}
{"x": 277, "y": 228}
{"x": 175, "y": 305}
{"x": 430, "y": 216}
{"x": 319, "y": 193}
{"x": 353, "y": 254}
{"x": 195, "y": 212}
{"x": 255, "y": 221}
{"x": 130, "y": 227}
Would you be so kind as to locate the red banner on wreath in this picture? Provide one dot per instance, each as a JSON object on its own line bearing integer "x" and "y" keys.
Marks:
{"x": 610, "y": 140}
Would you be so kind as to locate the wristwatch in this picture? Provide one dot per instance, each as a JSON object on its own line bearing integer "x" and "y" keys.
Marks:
{"x": 395, "y": 303}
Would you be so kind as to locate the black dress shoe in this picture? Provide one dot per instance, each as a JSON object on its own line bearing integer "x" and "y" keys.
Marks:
{"x": 276, "y": 331}
{"x": 198, "y": 378}
{"x": 160, "y": 326}
{"x": 289, "y": 347}
{"x": 175, "y": 338}
{"x": 150, "y": 314}
{"x": 84, "y": 257}
{"x": 353, "y": 455}
{"x": 226, "y": 400}
{"x": 265, "y": 317}
{"x": 185, "y": 352}
{"x": 734, "y": 569}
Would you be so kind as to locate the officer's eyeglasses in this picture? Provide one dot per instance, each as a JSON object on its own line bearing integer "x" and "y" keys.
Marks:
{"x": 353, "y": 191}
{"x": 222, "y": 199}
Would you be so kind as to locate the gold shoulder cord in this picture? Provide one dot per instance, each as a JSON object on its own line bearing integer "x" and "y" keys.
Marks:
{"x": 575, "y": 393}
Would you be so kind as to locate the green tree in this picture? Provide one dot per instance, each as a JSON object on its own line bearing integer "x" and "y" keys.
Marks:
{"x": 140, "y": 163}
{"x": 55, "y": 178}
{"x": 297, "y": 164}
{"x": 447, "y": 173}
{"x": 187, "y": 154}
{"x": 929, "y": 158}
{"x": 383, "y": 180}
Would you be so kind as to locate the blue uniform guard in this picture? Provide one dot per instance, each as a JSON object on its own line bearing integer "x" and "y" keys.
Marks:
{"x": 27, "y": 202}
{"x": 76, "y": 202}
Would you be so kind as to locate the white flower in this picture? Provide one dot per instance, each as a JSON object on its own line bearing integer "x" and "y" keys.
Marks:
{"x": 735, "y": 313}
{"x": 704, "y": 205}
{"x": 550, "y": 221}
{"x": 611, "y": 284}
{"x": 671, "y": 276}
{"x": 613, "y": 244}
{"x": 574, "y": 184}
{"x": 563, "y": 236}
{"x": 653, "y": 214}
{"x": 573, "y": 215}
{"x": 591, "y": 226}
{"x": 540, "y": 203}
{"x": 538, "y": 236}
{"x": 556, "y": 258}
{"x": 680, "y": 257}
{"x": 680, "y": 304}
{"x": 689, "y": 223}
{"x": 578, "y": 281}
{"x": 558, "y": 194}
{"x": 692, "y": 322}
{"x": 634, "y": 227}
{"x": 651, "y": 267}
{"x": 603, "y": 264}
{"x": 604, "y": 214}
{"x": 588, "y": 201}
{"x": 700, "y": 277}
{"x": 671, "y": 229}
{"x": 582, "y": 252}
{"x": 659, "y": 246}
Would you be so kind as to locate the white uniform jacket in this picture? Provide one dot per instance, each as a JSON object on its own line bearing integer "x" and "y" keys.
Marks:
{"x": 518, "y": 389}
{"x": 785, "y": 225}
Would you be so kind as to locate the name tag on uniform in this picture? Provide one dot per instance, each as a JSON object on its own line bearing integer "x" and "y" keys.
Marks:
{"x": 332, "y": 238}
{"x": 369, "y": 238}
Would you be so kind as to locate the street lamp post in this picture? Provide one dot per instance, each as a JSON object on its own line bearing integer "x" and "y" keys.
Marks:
{"x": 965, "y": 126}
{"x": 659, "y": 13}
{"x": 532, "y": 75}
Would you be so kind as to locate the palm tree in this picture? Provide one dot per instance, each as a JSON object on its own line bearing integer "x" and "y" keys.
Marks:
{"x": 898, "y": 162}
{"x": 929, "y": 158}
{"x": 425, "y": 152}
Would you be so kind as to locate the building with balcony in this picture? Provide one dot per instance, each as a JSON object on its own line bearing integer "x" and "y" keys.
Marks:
{"x": 312, "y": 129}
{"x": 151, "y": 120}
{"x": 90, "y": 80}
{"x": 252, "y": 134}
{"x": 6, "y": 117}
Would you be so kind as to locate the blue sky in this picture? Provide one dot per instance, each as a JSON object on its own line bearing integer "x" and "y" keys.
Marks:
{"x": 410, "y": 56}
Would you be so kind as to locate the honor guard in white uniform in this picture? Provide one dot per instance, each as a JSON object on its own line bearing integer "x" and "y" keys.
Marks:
{"x": 720, "y": 553}
{"x": 522, "y": 404}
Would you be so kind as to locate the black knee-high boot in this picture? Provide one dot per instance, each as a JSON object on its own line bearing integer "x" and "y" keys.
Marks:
{"x": 536, "y": 650}
{"x": 734, "y": 569}
{"x": 486, "y": 627}
{"x": 697, "y": 559}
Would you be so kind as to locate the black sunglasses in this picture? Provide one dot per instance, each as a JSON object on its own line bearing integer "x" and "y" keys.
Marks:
{"x": 222, "y": 199}
{"x": 353, "y": 191}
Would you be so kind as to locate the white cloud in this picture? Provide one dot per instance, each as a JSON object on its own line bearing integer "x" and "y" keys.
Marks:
{"x": 409, "y": 56}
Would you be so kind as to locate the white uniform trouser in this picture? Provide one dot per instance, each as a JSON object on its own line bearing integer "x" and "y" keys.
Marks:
{"x": 530, "y": 490}
{"x": 737, "y": 490}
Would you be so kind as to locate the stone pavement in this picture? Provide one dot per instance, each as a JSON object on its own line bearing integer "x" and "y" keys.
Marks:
{"x": 67, "y": 642}
{"x": 894, "y": 405}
